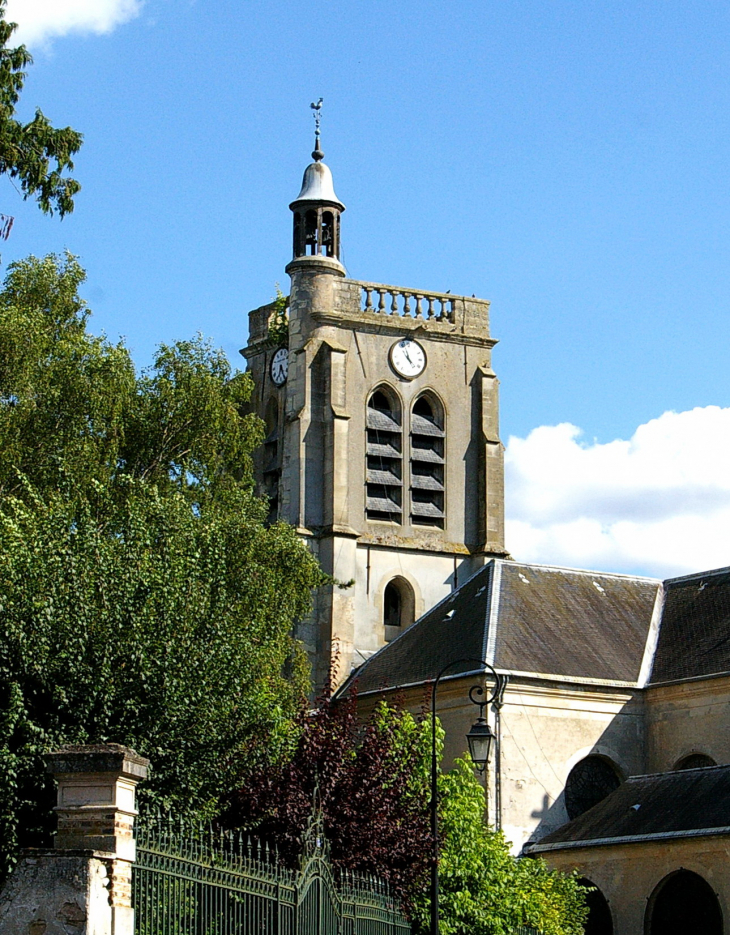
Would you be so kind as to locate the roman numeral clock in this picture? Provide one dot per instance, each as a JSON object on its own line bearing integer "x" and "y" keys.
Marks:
{"x": 279, "y": 368}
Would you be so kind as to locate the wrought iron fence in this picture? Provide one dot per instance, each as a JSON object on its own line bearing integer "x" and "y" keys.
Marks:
{"x": 193, "y": 880}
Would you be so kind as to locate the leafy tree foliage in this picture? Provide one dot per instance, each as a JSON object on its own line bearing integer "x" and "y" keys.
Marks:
{"x": 368, "y": 780}
{"x": 483, "y": 889}
{"x": 142, "y": 599}
{"x": 35, "y": 153}
{"x": 279, "y": 321}
{"x": 371, "y": 782}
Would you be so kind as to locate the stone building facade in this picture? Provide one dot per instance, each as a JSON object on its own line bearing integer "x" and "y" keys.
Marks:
{"x": 613, "y": 736}
{"x": 383, "y": 450}
{"x": 382, "y": 444}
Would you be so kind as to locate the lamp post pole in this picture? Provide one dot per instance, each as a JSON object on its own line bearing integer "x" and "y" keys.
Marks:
{"x": 480, "y": 739}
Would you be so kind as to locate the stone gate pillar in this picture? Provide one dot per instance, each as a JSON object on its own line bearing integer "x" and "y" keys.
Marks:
{"x": 83, "y": 885}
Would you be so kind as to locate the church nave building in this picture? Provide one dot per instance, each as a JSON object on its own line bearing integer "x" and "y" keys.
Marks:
{"x": 382, "y": 449}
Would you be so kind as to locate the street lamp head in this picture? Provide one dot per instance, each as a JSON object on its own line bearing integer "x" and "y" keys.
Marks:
{"x": 480, "y": 739}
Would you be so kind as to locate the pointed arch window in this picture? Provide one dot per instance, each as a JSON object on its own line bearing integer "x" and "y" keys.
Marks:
{"x": 428, "y": 437}
{"x": 384, "y": 469}
{"x": 272, "y": 459}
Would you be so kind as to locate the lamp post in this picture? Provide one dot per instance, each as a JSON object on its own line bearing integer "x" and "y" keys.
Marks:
{"x": 480, "y": 738}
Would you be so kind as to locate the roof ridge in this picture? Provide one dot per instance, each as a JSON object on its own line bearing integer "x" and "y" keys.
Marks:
{"x": 652, "y": 637}
{"x": 491, "y": 615}
{"x": 674, "y": 772}
{"x": 698, "y": 574}
{"x": 580, "y": 571}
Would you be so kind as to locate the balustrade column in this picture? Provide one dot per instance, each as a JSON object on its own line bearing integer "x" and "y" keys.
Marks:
{"x": 420, "y": 305}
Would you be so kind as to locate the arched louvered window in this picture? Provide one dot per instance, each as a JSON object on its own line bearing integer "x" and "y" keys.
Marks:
{"x": 384, "y": 478}
{"x": 427, "y": 462}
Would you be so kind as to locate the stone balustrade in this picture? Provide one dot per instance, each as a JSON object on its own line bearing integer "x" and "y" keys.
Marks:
{"x": 409, "y": 303}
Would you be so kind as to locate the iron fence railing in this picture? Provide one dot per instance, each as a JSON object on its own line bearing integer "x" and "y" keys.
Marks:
{"x": 191, "y": 879}
{"x": 194, "y": 880}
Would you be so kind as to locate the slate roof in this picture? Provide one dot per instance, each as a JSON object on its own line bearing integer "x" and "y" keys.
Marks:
{"x": 678, "y": 804}
{"x": 694, "y": 637}
{"x": 524, "y": 618}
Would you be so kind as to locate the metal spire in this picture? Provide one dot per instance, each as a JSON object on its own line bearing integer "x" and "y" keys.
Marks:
{"x": 317, "y": 155}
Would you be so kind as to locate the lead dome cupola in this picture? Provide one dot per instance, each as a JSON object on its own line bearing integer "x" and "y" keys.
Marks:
{"x": 318, "y": 185}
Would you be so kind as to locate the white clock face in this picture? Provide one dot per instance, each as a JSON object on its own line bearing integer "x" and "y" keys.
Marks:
{"x": 408, "y": 358}
{"x": 280, "y": 366}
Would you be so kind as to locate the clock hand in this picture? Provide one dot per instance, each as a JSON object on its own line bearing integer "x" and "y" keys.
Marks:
{"x": 408, "y": 356}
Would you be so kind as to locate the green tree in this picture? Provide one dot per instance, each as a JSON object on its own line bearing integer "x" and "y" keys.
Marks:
{"x": 35, "y": 153}
{"x": 368, "y": 781}
{"x": 142, "y": 598}
{"x": 371, "y": 782}
{"x": 484, "y": 890}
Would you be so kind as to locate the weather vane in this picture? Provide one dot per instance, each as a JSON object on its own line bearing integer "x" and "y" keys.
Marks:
{"x": 317, "y": 108}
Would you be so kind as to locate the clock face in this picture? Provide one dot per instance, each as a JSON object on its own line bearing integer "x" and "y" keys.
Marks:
{"x": 408, "y": 358}
{"x": 280, "y": 366}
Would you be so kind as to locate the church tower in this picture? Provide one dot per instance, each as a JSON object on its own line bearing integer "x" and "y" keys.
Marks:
{"x": 382, "y": 445}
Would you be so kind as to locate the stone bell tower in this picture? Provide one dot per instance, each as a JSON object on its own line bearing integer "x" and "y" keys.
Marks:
{"x": 382, "y": 445}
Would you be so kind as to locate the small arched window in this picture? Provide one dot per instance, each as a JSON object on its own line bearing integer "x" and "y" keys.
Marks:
{"x": 399, "y": 606}
{"x": 328, "y": 234}
{"x": 310, "y": 233}
{"x": 588, "y": 783}
{"x": 392, "y": 605}
{"x": 384, "y": 468}
{"x": 428, "y": 439}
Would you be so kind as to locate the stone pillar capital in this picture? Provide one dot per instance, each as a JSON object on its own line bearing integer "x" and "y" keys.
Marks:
{"x": 96, "y": 797}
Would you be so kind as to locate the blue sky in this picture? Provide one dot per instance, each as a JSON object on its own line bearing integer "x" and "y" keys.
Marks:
{"x": 568, "y": 161}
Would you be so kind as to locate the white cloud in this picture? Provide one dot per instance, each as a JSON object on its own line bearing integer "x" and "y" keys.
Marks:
{"x": 41, "y": 20}
{"x": 658, "y": 503}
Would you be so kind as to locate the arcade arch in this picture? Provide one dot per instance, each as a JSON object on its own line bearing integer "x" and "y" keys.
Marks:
{"x": 683, "y": 903}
